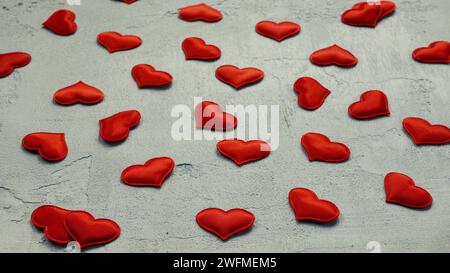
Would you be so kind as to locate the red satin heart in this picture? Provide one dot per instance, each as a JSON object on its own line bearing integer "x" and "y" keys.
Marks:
{"x": 311, "y": 94}
{"x": 50, "y": 146}
{"x": 243, "y": 152}
{"x": 308, "y": 207}
{"x": 225, "y": 224}
{"x": 200, "y": 12}
{"x": 368, "y": 14}
{"x": 372, "y": 104}
{"x": 277, "y": 31}
{"x": 11, "y": 61}
{"x": 320, "y": 148}
{"x": 196, "y": 49}
{"x": 114, "y": 41}
{"x": 436, "y": 52}
{"x": 51, "y": 220}
{"x": 401, "y": 189}
{"x": 422, "y": 132}
{"x": 209, "y": 115}
{"x": 62, "y": 22}
{"x": 117, "y": 127}
{"x": 237, "y": 77}
{"x": 333, "y": 55}
{"x": 78, "y": 93}
{"x": 146, "y": 76}
{"x": 129, "y": 1}
{"x": 152, "y": 174}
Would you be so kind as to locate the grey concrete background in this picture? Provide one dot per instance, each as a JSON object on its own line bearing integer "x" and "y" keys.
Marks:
{"x": 163, "y": 220}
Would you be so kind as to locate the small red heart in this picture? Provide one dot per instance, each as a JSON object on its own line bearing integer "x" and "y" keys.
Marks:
{"x": 146, "y": 76}
{"x": 401, "y": 189}
{"x": 62, "y": 22}
{"x": 308, "y": 207}
{"x": 311, "y": 94}
{"x": 368, "y": 14}
{"x": 225, "y": 224}
{"x": 196, "y": 49}
{"x": 333, "y": 55}
{"x": 320, "y": 148}
{"x": 78, "y": 93}
{"x": 436, "y": 52}
{"x": 201, "y": 12}
{"x": 209, "y": 115}
{"x": 422, "y": 132}
{"x": 277, "y": 31}
{"x": 237, "y": 77}
{"x": 51, "y": 220}
{"x": 50, "y": 146}
{"x": 11, "y": 61}
{"x": 372, "y": 104}
{"x": 117, "y": 127}
{"x": 243, "y": 152}
{"x": 114, "y": 41}
{"x": 153, "y": 173}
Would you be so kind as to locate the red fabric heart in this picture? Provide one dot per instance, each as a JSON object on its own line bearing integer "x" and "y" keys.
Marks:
{"x": 243, "y": 152}
{"x": 225, "y": 224}
{"x": 311, "y": 94}
{"x": 78, "y": 93}
{"x": 372, "y": 104}
{"x": 11, "y": 61}
{"x": 401, "y": 189}
{"x": 146, "y": 76}
{"x": 368, "y": 14}
{"x": 320, "y": 148}
{"x": 333, "y": 55}
{"x": 196, "y": 49}
{"x": 114, "y": 41}
{"x": 422, "y": 132}
{"x": 51, "y": 220}
{"x": 117, "y": 127}
{"x": 436, "y": 52}
{"x": 152, "y": 174}
{"x": 201, "y": 12}
{"x": 237, "y": 77}
{"x": 277, "y": 31}
{"x": 62, "y": 22}
{"x": 50, "y": 146}
{"x": 129, "y": 1}
{"x": 308, "y": 207}
{"x": 209, "y": 115}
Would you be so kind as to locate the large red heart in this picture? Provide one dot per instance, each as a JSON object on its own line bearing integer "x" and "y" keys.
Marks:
{"x": 422, "y": 132}
{"x": 196, "y": 49}
{"x": 62, "y": 22}
{"x": 242, "y": 152}
{"x": 436, "y": 52}
{"x": 367, "y": 14}
{"x": 50, "y": 146}
{"x": 225, "y": 224}
{"x": 146, "y": 76}
{"x": 51, "y": 220}
{"x": 209, "y": 115}
{"x": 311, "y": 94}
{"x": 117, "y": 127}
{"x": 277, "y": 31}
{"x": 401, "y": 189}
{"x": 372, "y": 104}
{"x": 320, "y": 148}
{"x": 114, "y": 41}
{"x": 78, "y": 93}
{"x": 152, "y": 174}
{"x": 333, "y": 55}
{"x": 237, "y": 77}
{"x": 201, "y": 12}
{"x": 308, "y": 207}
{"x": 11, "y": 61}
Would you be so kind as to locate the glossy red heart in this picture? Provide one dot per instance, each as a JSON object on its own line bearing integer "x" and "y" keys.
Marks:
{"x": 320, "y": 148}
{"x": 152, "y": 174}
{"x": 237, "y": 77}
{"x": 436, "y": 52}
{"x": 114, "y": 41}
{"x": 51, "y": 220}
{"x": 11, "y": 61}
{"x": 422, "y": 132}
{"x": 368, "y": 14}
{"x": 401, "y": 189}
{"x": 146, "y": 76}
{"x": 78, "y": 93}
{"x": 333, "y": 55}
{"x": 50, "y": 146}
{"x": 62, "y": 22}
{"x": 117, "y": 127}
{"x": 308, "y": 207}
{"x": 225, "y": 224}
{"x": 196, "y": 49}
{"x": 311, "y": 94}
{"x": 277, "y": 31}
{"x": 243, "y": 152}
{"x": 209, "y": 115}
{"x": 373, "y": 103}
{"x": 200, "y": 12}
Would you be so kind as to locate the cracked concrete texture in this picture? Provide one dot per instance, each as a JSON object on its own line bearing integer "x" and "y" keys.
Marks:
{"x": 163, "y": 220}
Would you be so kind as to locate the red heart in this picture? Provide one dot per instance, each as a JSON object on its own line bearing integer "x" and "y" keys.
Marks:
{"x": 242, "y": 152}
{"x": 333, "y": 55}
{"x": 201, "y": 12}
{"x": 62, "y": 22}
{"x": 225, "y": 224}
{"x": 11, "y": 61}
{"x": 372, "y": 104}
{"x": 196, "y": 49}
{"x": 367, "y": 14}
{"x": 153, "y": 173}
{"x": 422, "y": 132}
{"x": 51, "y": 220}
{"x": 117, "y": 127}
{"x": 79, "y": 92}
{"x": 277, "y": 31}
{"x": 146, "y": 76}
{"x": 400, "y": 189}
{"x": 114, "y": 41}
{"x": 210, "y": 115}
{"x": 237, "y": 77}
{"x": 50, "y": 146}
{"x": 320, "y": 148}
{"x": 308, "y": 207}
{"x": 437, "y": 52}
{"x": 311, "y": 94}
{"x": 129, "y": 1}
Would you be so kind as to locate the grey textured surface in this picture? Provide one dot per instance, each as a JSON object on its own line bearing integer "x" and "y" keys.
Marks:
{"x": 163, "y": 220}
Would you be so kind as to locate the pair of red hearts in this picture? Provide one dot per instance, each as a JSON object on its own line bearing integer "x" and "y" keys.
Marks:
{"x": 368, "y": 14}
